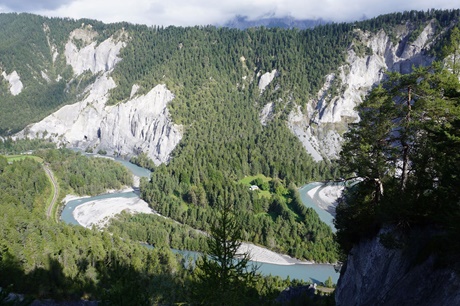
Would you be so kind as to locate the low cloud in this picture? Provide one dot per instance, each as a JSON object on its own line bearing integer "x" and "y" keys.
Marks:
{"x": 31, "y": 5}
{"x": 204, "y": 12}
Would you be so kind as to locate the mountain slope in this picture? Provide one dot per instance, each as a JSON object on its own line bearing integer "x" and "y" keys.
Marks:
{"x": 321, "y": 74}
{"x": 217, "y": 105}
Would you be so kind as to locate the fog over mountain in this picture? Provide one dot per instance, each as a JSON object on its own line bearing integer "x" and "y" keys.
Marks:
{"x": 204, "y": 12}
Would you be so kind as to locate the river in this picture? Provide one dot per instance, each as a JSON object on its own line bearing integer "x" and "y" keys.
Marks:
{"x": 308, "y": 272}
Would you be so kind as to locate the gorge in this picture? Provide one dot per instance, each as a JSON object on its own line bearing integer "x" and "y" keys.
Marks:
{"x": 215, "y": 111}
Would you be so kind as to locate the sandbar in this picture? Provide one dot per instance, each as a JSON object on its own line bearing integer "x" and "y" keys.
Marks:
{"x": 99, "y": 212}
{"x": 263, "y": 255}
{"x": 325, "y": 196}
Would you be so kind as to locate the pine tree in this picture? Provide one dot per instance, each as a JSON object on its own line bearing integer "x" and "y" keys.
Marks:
{"x": 225, "y": 275}
{"x": 405, "y": 150}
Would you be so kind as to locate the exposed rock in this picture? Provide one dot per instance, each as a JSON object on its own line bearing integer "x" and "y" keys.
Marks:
{"x": 266, "y": 79}
{"x": 266, "y": 113}
{"x": 134, "y": 90}
{"x": 93, "y": 57}
{"x": 299, "y": 124}
{"x": 53, "y": 48}
{"x": 45, "y": 76}
{"x": 139, "y": 125}
{"x": 16, "y": 85}
{"x": 142, "y": 124}
{"x": 374, "y": 275}
{"x": 327, "y": 116}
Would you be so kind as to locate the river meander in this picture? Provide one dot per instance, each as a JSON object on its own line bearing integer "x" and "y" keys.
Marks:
{"x": 308, "y": 272}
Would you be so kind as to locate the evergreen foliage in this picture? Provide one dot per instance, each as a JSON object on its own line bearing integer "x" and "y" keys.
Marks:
{"x": 43, "y": 259}
{"x": 405, "y": 150}
{"x": 223, "y": 272}
{"x": 86, "y": 176}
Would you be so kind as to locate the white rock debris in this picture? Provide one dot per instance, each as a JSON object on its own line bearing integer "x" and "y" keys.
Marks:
{"x": 266, "y": 79}
{"x": 16, "y": 85}
{"x": 93, "y": 57}
{"x": 139, "y": 125}
{"x": 266, "y": 113}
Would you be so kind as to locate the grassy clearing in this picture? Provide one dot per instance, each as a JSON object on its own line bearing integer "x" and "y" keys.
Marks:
{"x": 13, "y": 158}
{"x": 262, "y": 193}
{"x": 248, "y": 179}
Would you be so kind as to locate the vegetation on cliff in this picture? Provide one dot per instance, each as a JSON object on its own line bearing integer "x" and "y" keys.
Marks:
{"x": 406, "y": 148}
{"x": 406, "y": 151}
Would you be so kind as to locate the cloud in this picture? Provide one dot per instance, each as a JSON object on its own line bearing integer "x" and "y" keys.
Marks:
{"x": 204, "y": 12}
{"x": 31, "y": 5}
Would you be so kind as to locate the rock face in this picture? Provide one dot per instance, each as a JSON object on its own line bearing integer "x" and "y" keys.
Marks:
{"x": 266, "y": 79}
{"x": 319, "y": 126}
{"x": 142, "y": 124}
{"x": 374, "y": 275}
{"x": 93, "y": 57}
{"x": 16, "y": 85}
{"x": 139, "y": 125}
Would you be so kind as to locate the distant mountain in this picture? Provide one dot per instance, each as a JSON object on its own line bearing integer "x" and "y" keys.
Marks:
{"x": 288, "y": 22}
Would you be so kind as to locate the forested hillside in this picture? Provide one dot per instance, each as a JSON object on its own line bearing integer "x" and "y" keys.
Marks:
{"x": 42, "y": 259}
{"x": 45, "y": 259}
{"x": 215, "y": 75}
{"x": 234, "y": 124}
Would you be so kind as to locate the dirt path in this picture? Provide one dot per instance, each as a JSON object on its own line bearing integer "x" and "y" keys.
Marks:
{"x": 50, "y": 175}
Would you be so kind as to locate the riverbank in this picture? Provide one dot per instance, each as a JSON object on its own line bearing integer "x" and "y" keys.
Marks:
{"x": 99, "y": 212}
{"x": 263, "y": 255}
{"x": 325, "y": 196}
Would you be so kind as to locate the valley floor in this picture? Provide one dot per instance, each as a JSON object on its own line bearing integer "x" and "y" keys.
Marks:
{"x": 99, "y": 212}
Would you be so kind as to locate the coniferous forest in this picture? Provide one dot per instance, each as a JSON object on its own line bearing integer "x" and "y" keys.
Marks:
{"x": 213, "y": 73}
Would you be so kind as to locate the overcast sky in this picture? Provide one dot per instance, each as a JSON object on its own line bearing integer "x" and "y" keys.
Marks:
{"x": 204, "y": 12}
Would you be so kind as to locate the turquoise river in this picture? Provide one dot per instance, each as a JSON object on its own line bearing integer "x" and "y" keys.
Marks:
{"x": 309, "y": 272}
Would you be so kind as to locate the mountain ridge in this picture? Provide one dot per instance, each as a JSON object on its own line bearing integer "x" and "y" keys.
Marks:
{"x": 318, "y": 125}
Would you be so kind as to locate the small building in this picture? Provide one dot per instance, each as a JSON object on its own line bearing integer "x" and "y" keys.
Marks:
{"x": 254, "y": 187}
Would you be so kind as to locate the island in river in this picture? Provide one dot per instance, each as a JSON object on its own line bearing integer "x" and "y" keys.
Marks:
{"x": 97, "y": 211}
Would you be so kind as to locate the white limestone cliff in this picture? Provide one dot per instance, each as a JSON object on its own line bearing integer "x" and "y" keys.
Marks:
{"x": 16, "y": 85}
{"x": 139, "y": 125}
{"x": 266, "y": 79}
{"x": 321, "y": 124}
{"x": 93, "y": 57}
{"x": 142, "y": 124}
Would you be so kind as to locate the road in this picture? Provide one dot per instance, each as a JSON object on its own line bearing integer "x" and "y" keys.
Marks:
{"x": 50, "y": 175}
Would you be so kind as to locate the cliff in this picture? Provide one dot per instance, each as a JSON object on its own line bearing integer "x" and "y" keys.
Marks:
{"x": 128, "y": 129}
{"x": 321, "y": 123}
{"x": 141, "y": 124}
{"x": 375, "y": 275}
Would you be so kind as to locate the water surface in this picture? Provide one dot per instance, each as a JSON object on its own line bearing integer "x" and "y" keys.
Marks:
{"x": 307, "y": 272}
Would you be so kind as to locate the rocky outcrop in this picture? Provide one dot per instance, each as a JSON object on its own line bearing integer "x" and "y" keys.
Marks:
{"x": 266, "y": 114}
{"x": 139, "y": 125}
{"x": 375, "y": 275}
{"x": 142, "y": 124}
{"x": 16, "y": 85}
{"x": 321, "y": 124}
{"x": 93, "y": 57}
{"x": 266, "y": 79}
